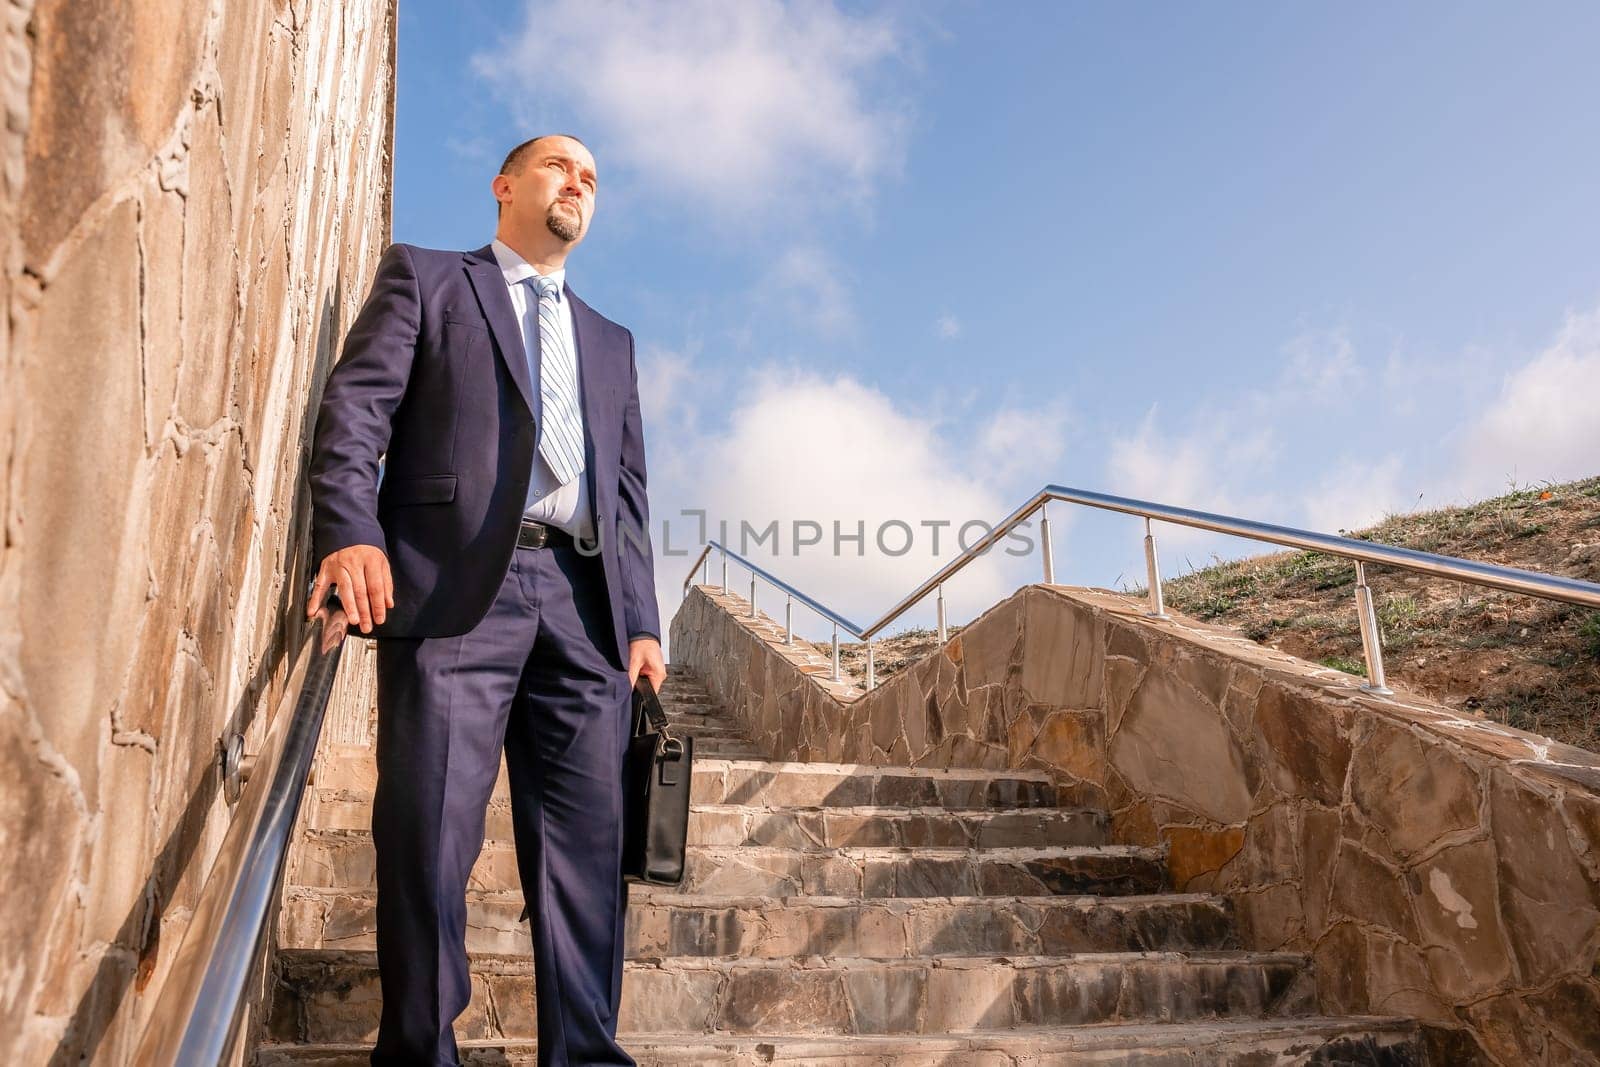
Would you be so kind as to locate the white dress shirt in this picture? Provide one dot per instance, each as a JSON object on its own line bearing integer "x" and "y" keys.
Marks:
{"x": 549, "y": 501}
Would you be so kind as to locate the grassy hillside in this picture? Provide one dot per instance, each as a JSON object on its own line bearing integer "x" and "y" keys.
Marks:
{"x": 1530, "y": 663}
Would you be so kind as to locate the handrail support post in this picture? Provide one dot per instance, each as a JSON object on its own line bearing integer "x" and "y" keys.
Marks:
{"x": 836, "y": 652}
{"x": 788, "y": 619}
{"x": 752, "y": 594}
{"x": 724, "y": 570}
{"x": 872, "y": 673}
{"x": 1044, "y": 542}
{"x": 1152, "y": 569}
{"x": 944, "y": 633}
{"x": 1371, "y": 636}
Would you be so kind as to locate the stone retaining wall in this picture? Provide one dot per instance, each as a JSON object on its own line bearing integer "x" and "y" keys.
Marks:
{"x": 192, "y": 201}
{"x": 1436, "y": 866}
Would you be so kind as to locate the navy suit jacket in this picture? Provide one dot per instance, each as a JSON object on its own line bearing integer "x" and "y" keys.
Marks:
{"x": 434, "y": 379}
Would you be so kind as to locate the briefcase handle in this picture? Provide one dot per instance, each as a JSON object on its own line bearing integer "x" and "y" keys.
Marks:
{"x": 666, "y": 744}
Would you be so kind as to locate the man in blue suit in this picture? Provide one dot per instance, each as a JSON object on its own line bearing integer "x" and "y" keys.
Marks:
{"x": 503, "y": 563}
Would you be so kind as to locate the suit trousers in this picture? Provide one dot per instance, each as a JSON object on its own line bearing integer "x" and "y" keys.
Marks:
{"x": 530, "y": 679}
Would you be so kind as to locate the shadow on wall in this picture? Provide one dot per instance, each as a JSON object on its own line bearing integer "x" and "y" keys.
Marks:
{"x": 141, "y": 929}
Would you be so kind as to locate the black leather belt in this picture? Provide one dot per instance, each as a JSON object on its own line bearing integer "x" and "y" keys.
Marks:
{"x": 539, "y": 535}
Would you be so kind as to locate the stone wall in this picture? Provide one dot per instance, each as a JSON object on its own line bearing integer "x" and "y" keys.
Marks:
{"x": 193, "y": 197}
{"x": 1436, "y": 866}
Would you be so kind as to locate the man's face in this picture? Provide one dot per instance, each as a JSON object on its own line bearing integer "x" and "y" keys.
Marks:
{"x": 554, "y": 188}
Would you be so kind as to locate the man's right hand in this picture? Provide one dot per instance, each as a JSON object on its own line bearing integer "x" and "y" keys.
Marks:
{"x": 366, "y": 588}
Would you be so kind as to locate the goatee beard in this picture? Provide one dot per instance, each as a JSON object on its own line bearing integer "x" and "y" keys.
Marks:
{"x": 567, "y": 227}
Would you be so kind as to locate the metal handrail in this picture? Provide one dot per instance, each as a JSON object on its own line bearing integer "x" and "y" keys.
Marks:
{"x": 195, "y": 1018}
{"x": 1509, "y": 579}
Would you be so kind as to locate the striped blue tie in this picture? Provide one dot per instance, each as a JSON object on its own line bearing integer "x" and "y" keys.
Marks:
{"x": 561, "y": 434}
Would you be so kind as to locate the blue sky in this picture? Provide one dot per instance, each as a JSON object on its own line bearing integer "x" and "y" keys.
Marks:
{"x": 1306, "y": 263}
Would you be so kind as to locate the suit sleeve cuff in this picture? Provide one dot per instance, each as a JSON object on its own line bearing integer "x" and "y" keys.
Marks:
{"x": 643, "y": 634}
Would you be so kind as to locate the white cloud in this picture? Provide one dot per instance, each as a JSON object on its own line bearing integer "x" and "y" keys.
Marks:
{"x": 1017, "y": 444}
{"x": 1225, "y": 459}
{"x": 947, "y": 326}
{"x": 476, "y": 150}
{"x": 797, "y": 446}
{"x": 811, "y": 288}
{"x": 1543, "y": 424}
{"x": 1355, "y": 494}
{"x": 1203, "y": 466}
{"x": 741, "y": 105}
{"x": 1318, "y": 363}
{"x": 663, "y": 378}
{"x": 1331, "y": 443}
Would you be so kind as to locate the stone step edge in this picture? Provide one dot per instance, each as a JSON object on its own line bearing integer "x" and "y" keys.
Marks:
{"x": 1153, "y": 854}
{"x": 1090, "y": 1037}
{"x": 894, "y": 810}
{"x": 661, "y": 897}
{"x": 887, "y": 811}
{"x": 962, "y": 774}
{"x": 501, "y": 964}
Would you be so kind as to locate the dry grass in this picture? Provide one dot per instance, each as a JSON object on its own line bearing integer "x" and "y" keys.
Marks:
{"x": 1531, "y": 663}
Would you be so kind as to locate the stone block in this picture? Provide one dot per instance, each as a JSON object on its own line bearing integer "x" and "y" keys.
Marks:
{"x": 1072, "y": 742}
{"x": 205, "y": 376}
{"x": 161, "y": 315}
{"x": 1062, "y": 653}
{"x": 968, "y": 997}
{"x": 1456, "y": 895}
{"x": 1415, "y": 793}
{"x": 1368, "y": 890}
{"x": 1172, "y": 745}
{"x": 884, "y": 1001}
{"x": 93, "y": 122}
{"x": 1302, "y": 744}
{"x": 1547, "y": 900}
{"x": 989, "y": 646}
{"x": 1195, "y": 851}
{"x": 42, "y": 864}
{"x": 80, "y": 592}
{"x": 782, "y": 999}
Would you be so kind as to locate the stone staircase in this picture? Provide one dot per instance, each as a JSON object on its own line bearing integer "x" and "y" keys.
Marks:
{"x": 842, "y": 915}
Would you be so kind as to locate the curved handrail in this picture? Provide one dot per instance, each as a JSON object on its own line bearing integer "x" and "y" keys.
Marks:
{"x": 197, "y": 1012}
{"x": 766, "y": 575}
{"x": 1510, "y": 579}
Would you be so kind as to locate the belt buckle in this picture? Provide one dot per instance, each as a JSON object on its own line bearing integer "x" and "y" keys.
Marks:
{"x": 533, "y": 535}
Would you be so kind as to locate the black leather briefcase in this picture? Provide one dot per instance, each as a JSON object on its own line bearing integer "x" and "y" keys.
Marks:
{"x": 655, "y": 829}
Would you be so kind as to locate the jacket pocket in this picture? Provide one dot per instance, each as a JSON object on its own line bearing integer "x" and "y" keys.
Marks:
{"x": 428, "y": 489}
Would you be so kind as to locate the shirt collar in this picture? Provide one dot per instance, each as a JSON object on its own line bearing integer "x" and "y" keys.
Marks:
{"x": 516, "y": 269}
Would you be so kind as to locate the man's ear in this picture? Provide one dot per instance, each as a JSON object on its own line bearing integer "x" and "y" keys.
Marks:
{"x": 500, "y": 187}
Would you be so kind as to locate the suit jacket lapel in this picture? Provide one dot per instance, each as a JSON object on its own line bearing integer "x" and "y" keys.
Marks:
{"x": 490, "y": 284}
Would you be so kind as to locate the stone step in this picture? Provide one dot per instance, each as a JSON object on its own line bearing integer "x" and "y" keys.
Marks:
{"x": 701, "y": 726}
{"x": 343, "y": 859}
{"x": 880, "y": 827}
{"x": 683, "y": 691}
{"x": 740, "y": 824}
{"x": 697, "y": 704}
{"x": 326, "y": 996}
{"x": 671, "y": 924}
{"x": 681, "y": 687}
{"x": 776, "y": 784}
{"x": 725, "y": 748}
{"x": 1304, "y": 1040}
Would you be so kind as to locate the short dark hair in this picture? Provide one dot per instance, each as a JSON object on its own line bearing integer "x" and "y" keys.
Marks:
{"x": 519, "y": 155}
